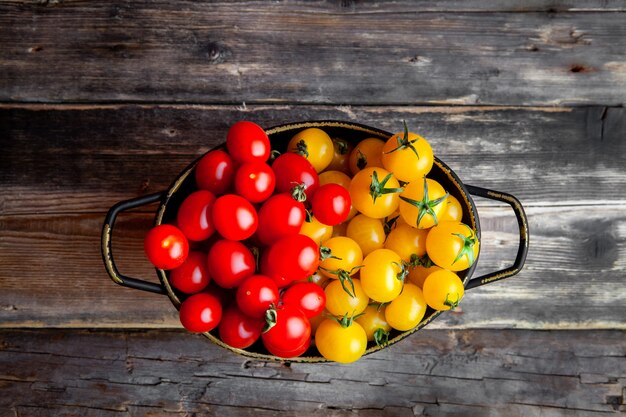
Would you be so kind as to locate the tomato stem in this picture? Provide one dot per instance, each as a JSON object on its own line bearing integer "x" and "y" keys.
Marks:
{"x": 377, "y": 188}
{"x": 389, "y": 224}
{"x": 298, "y": 192}
{"x": 425, "y": 206}
{"x": 361, "y": 159}
{"x": 468, "y": 246}
{"x": 270, "y": 318}
{"x": 301, "y": 148}
{"x": 273, "y": 155}
{"x": 452, "y": 304}
{"x": 342, "y": 146}
{"x": 326, "y": 253}
{"x": 343, "y": 276}
{"x": 381, "y": 337}
{"x": 404, "y": 270}
{"x": 404, "y": 142}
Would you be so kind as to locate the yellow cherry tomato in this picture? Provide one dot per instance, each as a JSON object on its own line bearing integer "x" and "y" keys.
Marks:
{"x": 452, "y": 245}
{"x": 341, "y": 342}
{"x": 452, "y": 211}
{"x": 422, "y": 202}
{"x": 382, "y": 275}
{"x": 367, "y": 232}
{"x": 373, "y": 321}
{"x": 406, "y": 310}
{"x": 443, "y": 290}
{"x": 375, "y": 192}
{"x": 407, "y": 241}
{"x": 340, "y": 303}
{"x": 335, "y": 177}
{"x": 315, "y": 145}
{"x": 366, "y": 153}
{"x": 345, "y": 255}
{"x": 338, "y": 177}
{"x": 408, "y": 155}
{"x": 316, "y": 230}
{"x": 341, "y": 156}
{"x": 419, "y": 273}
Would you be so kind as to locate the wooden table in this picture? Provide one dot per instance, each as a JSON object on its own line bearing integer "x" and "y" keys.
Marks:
{"x": 106, "y": 101}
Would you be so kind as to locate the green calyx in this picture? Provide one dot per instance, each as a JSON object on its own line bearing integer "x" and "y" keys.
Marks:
{"x": 389, "y": 224}
{"x": 344, "y": 276}
{"x": 361, "y": 159}
{"x": 381, "y": 337}
{"x": 452, "y": 303}
{"x": 342, "y": 146}
{"x": 326, "y": 253}
{"x": 426, "y": 205}
{"x": 404, "y": 142}
{"x": 468, "y": 246}
{"x": 377, "y": 188}
{"x": 404, "y": 270}
{"x": 270, "y": 318}
{"x": 301, "y": 149}
{"x": 298, "y": 192}
{"x": 273, "y": 155}
{"x": 420, "y": 261}
{"x": 346, "y": 321}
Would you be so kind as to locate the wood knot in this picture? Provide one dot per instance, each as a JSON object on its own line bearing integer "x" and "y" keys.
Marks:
{"x": 217, "y": 52}
{"x": 35, "y": 49}
{"x": 576, "y": 68}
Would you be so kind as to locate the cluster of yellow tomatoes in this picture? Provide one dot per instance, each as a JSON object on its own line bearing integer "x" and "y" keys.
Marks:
{"x": 400, "y": 248}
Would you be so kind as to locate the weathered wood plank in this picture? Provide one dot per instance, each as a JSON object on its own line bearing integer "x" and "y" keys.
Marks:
{"x": 52, "y": 273}
{"x": 301, "y": 52}
{"x": 62, "y": 159}
{"x": 434, "y": 372}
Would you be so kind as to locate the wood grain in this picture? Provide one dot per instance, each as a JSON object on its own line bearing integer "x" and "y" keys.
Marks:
{"x": 53, "y": 276}
{"x": 434, "y": 372}
{"x": 72, "y": 159}
{"x": 320, "y": 52}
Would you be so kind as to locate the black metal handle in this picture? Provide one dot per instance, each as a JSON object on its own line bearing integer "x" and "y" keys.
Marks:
{"x": 107, "y": 233}
{"x": 522, "y": 222}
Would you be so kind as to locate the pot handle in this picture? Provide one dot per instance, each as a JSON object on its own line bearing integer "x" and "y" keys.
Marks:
{"x": 522, "y": 222}
{"x": 107, "y": 234}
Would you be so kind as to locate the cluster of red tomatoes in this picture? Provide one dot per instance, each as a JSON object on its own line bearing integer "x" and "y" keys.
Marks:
{"x": 330, "y": 241}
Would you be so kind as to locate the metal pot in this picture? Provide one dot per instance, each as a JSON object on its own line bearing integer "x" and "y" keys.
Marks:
{"x": 280, "y": 135}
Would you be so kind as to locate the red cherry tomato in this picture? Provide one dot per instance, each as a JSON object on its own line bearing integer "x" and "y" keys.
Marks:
{"x": 255, "y": 181}
{"x": 239, "y": 330}
{"x": 166, "y": 246}
{"x": 215, "y": 172}
{"x": 234, "y": 217}
{"x": 307, "y": 296}
{"x": 289, "y": 330}
{"x": 193, "y": 275}
{"x": 266, "y": 269}
{"x": 248, "y": 142}
{"x": 194, "y": 215}
{"x": 331, "y": 204}
{"x": 230, "y": 263}
{"x": 281, "y": 215}
{"x": 201, "y": 312}
{"x": 291, "y": 170}
{"x": 293, "y": 352}
{"x": 256, "y": 294}
{"x": 294, "y": 257}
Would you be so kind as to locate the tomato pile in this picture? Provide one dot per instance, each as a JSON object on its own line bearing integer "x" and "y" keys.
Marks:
{"x": 331, "y": 243}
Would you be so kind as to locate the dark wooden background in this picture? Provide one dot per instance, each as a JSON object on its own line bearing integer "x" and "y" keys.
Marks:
{"x": 105, "y": 101}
